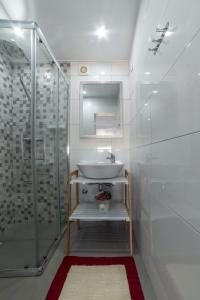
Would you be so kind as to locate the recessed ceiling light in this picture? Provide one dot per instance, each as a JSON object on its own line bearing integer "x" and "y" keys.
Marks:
{"x": 84, "y": 93}
{"x": 102, "y": 32}
{"x": 155, "y": 92}
{"x": 147, "y": 73}
{"x": 103, "y": 73}
{"x": 145, "y": 104}
{"x": 198, "y": 74}
{"x": 18, "y": 31}
{"x": 169, "y": 33}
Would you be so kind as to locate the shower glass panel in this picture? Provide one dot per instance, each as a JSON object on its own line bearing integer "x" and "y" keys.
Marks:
{"x": 45, "y": 157}
{"x": 17, "y": 225}
{"x": 33, "y": 149}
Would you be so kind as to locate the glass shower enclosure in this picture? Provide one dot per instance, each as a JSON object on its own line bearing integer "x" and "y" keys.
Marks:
{"x": 34, "y": 149}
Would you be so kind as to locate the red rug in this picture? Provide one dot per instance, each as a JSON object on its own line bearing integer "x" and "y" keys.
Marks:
{"x": 128, "y": 262}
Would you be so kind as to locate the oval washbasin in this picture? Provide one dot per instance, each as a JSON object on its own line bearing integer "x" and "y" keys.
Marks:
{"x": 100, "y": 170}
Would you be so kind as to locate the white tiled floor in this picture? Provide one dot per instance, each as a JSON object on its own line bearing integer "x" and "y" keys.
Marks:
{"x": 94, "y": 239}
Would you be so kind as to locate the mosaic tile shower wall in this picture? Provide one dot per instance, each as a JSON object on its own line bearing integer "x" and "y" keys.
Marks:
{"x": 6, "y": 200}
{"x": 16, "y": 201}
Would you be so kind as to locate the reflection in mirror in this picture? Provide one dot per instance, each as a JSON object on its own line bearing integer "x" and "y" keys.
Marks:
{"x": 100, "y": 109}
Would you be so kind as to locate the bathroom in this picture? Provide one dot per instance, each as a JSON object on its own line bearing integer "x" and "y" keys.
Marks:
{"x": 99, "y": 168}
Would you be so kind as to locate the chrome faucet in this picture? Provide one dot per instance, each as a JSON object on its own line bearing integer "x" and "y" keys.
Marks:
{"x": 111, "y": 157}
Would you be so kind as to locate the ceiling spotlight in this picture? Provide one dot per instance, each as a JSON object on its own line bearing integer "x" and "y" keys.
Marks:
{"x": 169, "y": 33}
{"x": 103, "y": 73}
{"x": 147, "y": 73}
{"x": 102, "y": 32}
{"x": 84, "y": 93}
{"x": 18, "y": 31}
{"x": 155, "y": 92}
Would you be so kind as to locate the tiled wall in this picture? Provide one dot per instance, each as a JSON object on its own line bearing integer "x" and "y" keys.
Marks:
{"x": 87, "y": 149}
{"x": 6, "y": 202}
{"x": 164, "y": 147}
{"x": 16, "y": 201}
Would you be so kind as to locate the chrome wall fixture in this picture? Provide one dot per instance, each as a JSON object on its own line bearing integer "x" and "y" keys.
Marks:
{"x": 160, "y": 39}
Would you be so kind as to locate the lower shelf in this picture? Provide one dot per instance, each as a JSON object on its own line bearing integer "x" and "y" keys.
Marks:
{"x": 90, "y": 212}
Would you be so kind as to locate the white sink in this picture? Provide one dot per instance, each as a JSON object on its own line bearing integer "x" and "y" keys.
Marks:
{"x": 100, "y": 170}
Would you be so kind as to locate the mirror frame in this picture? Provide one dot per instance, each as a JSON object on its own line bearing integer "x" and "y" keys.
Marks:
{"x": 81, "y": 110}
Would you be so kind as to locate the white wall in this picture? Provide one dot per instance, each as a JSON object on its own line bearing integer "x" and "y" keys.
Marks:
{"x": 88, "y": 149}
{"x": 165, "y": 147}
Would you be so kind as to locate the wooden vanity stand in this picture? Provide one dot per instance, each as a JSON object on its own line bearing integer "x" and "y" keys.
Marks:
{"x": 88, "y": 211}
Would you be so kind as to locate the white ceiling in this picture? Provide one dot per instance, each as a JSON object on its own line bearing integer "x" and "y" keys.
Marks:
{"x": 69, "y": 25}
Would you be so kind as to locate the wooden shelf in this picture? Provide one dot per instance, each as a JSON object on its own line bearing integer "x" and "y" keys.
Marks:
{"x": 84, "y": 180}
{"x": 89, "y": 211}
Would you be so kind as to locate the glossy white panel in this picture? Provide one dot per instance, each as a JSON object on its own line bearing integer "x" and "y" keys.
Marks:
{"x": 132, "y": 141}
{"x": 166, "y": 189}
{"x": 122, "y": 143}
{"x": 173, "y": 242}
{"x": 143, "y": 94}
{"x": 133, "y": 106}
{"x": 120, "y": 68}
{"x": 183, "y": 17}
{"x": 98, "y": 69}
{"x": 142, "y": 60}
{"x": 177, "y": 101}
{"x": 175, "y": 213}
{"x": 74, "y": 111}
{"x": 74, "y": 88}
{"x": 183, "y": 26}
{"x": 176, "y": 176}
{"x": 80, "y": 143}
{"x": 74, "y": 68}
{"x": 126, "y": 112}
{"x": 143, "y": 128}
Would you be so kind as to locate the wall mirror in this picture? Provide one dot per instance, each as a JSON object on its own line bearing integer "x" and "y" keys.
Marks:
{"x": 100, "y": 110}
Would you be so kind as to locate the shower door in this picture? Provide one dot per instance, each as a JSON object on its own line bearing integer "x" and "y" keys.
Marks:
{"x": 46, "y": 158}
{"x": 33, "y": 149}
{"x": 17, "y": 215}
